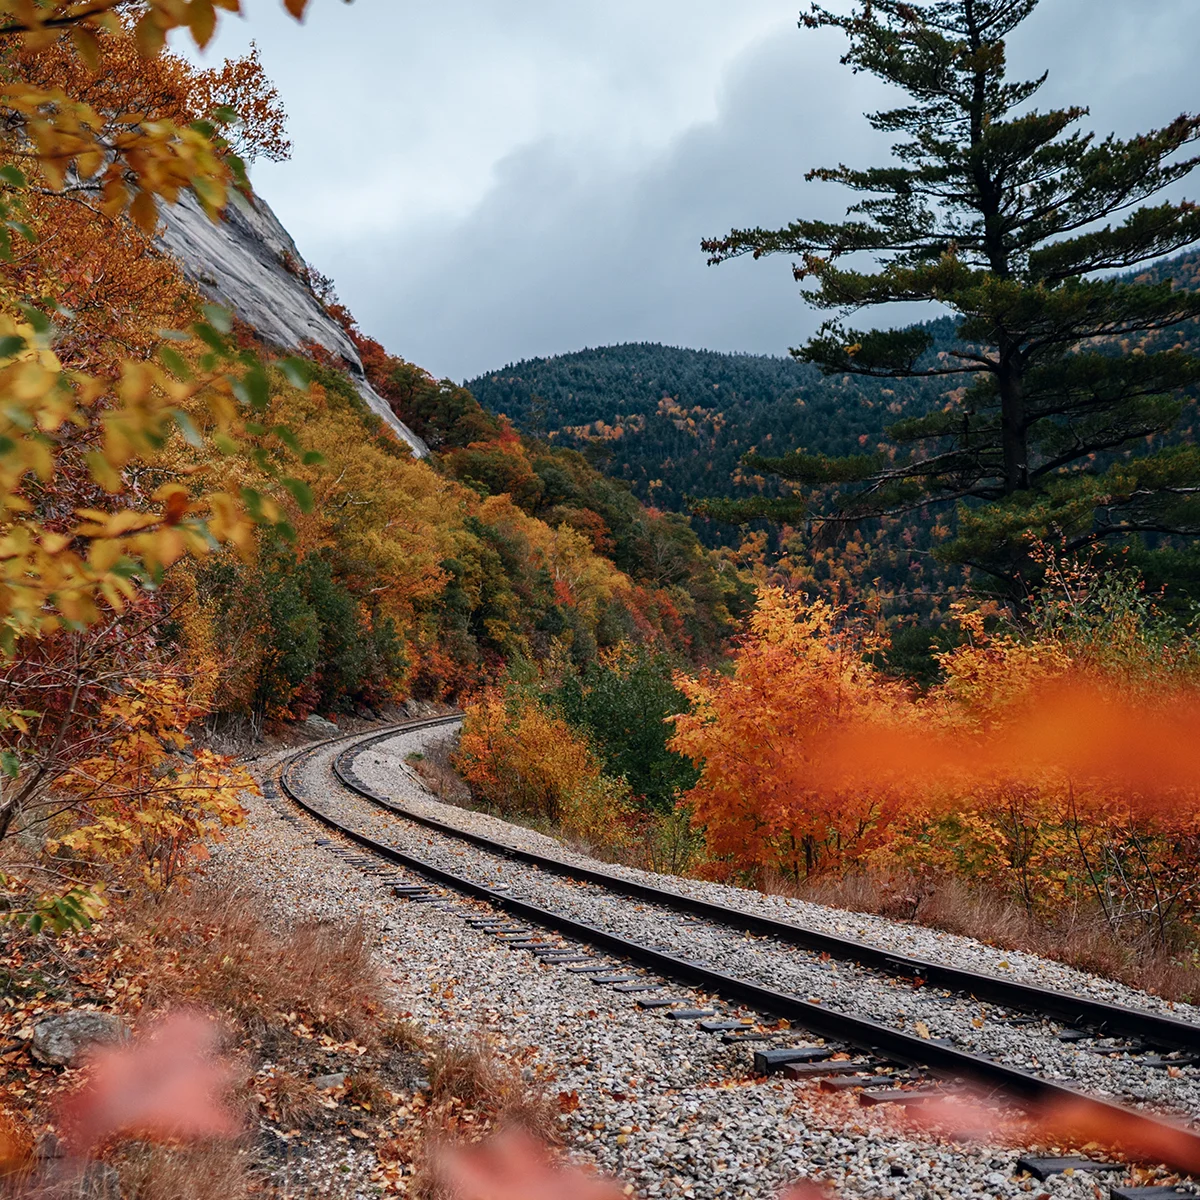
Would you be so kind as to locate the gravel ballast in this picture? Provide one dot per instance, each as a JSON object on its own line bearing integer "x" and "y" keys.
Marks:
{"x": 927, "y": 1011}
{"x": 670, "y": 1108}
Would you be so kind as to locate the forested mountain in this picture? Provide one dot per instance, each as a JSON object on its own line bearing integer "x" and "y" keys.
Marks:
{"x": 674, "y": 423}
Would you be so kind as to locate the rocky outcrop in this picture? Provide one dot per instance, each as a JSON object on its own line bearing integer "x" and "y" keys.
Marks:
{"x": 320, "y": 727}
{"x": 248, "y": 262}
{"x": 61, "y": 1040}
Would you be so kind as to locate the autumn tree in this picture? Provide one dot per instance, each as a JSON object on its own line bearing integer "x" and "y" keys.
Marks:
{"x": 1016, "y": 220}
{"x": 760, "y": 736}
{"x": 98, "y": 494}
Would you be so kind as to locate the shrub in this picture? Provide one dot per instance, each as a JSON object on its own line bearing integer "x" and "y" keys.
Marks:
{"x": 623, "y": 703}
{"x": 525, "y": 760}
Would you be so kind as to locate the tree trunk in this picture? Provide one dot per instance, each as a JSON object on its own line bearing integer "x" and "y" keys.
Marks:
{"x": 1013, "y": 438}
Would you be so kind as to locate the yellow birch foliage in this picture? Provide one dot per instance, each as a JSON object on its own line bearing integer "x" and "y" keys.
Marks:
{"x": 151, "y": 800}
{"x": 527, "y": 762}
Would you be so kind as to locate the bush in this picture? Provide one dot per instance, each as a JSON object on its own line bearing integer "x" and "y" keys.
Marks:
{"x": 624, "y": 704}
{"x": 527, "y": 761}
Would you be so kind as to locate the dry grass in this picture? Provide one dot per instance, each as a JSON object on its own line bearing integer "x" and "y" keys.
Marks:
{"x": 295, "y": 1100}
{"x": 215, "y": 950}
{"x": 212, "y": 948}
{"x": 404, "y": 1035}
{"x": 1077, "y": 938}
{"x": 275, "y": 988}
{"x": 366, "y": 1090}
{"x": 437, "y": 772}
{"x": 477, "y": 1078}
{"x": 473, "y": 1092}
{"x": 205, "y": 1172}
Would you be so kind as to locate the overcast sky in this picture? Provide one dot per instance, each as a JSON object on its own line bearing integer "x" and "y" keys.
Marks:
{"x": 488, "y": 180}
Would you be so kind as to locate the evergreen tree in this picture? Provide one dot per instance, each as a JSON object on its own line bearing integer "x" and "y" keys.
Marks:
{"x": 1062, "y": 413}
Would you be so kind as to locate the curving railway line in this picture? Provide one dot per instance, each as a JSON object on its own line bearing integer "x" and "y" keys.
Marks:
{"x": 844, "y": 1050}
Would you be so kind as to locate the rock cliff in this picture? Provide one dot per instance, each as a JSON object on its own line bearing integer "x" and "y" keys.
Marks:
{"x": 249, "y": 263}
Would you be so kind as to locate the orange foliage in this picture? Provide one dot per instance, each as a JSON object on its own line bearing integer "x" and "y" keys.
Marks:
{"x": 762, "y": 733}
{"x": 1059, "y": 766}
{"x": 524, "y": 760}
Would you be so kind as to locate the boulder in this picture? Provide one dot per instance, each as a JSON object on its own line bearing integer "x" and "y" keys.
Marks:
{"x": 60, "y": 1041}
{"x": 335, "y": 1080}
{"x": 320, "y": 726}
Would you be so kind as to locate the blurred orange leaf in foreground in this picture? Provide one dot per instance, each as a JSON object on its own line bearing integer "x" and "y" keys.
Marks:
{"x": 1072, "y": 1122}
{"x": 514, "y": 1167}
{"x": 169, "y": 1084}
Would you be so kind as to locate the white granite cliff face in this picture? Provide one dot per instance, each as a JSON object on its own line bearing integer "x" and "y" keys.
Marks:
{"x": 249, "y": 263}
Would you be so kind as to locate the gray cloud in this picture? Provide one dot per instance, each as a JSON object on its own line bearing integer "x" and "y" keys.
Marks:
{"x": 528, "y": 177}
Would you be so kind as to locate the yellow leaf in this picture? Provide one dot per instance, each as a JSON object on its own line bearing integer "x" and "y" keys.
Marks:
{"x": 150, "y": 36}
{"x": 144, "y": 212}
{"x": 922, "y": 1029}
{"x": 202, "y": 21}
{"x": 103, "y": 554}
{"x": 88, "y": 46}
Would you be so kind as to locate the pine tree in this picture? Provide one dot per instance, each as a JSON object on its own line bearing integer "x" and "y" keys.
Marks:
{"x": 1063, "y": 406}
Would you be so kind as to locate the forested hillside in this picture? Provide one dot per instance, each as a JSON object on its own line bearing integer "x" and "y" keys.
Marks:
{"x": 239, "y": 540}
{"x": 675, "y": 424}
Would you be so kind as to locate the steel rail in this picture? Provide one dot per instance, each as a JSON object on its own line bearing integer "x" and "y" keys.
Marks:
{"x": 1176, "y": 1146}
{"x": 1113, "y": 1019}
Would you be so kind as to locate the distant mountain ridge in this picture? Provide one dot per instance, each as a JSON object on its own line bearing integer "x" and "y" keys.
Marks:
{"x": 674, "y": 422}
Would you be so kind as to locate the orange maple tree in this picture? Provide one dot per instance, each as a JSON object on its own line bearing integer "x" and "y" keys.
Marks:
{"x": 1058, "y": 762}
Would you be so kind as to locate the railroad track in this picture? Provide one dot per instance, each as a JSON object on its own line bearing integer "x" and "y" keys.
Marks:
{"x": 874, "y": 1051}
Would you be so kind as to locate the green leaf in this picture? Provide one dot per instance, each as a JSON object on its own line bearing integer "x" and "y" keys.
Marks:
{"x": 312, "y": 458}
{"x": 218, "y": 317}
{"x": 11, "y": 345}
{"x": 297, "y": 372}
{"x": 288, "y": 438}
{"x": 36, "y": 318}
{"x": 174, "y": 362}
{"x": 14, "y": 178}
{"x": 253, "y": 502}
{"x": 300, "y": 491}
{"x": 188, "y": 429}
{"x": 258, "y": 387}
{"x": 10, "y": 764}
{"x": 210, "y": 337}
